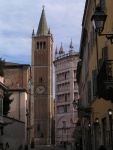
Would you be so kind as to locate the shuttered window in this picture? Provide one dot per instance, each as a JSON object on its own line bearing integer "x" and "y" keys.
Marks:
{"x": 94, "y": 75}
{"x": 104, "y": 56}
{"x": 80, "y": 106}
{"x": 89, "y": 91}
{"x": 88, "y": 50}
{"x": 91, "y": 41}
{"x": 94, "y": 35}
{"x": 100, "y": 62}
{"x": 105, "y": 53}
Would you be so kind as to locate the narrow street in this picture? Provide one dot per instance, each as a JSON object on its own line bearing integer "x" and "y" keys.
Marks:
{"x": 47, "y": 147}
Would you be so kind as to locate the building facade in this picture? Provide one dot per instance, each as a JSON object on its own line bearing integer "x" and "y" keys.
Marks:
{"x": 42, "y": 80}
{"x": 94, "y": 76}
{"x": 66, "y": 90}
{"x": 16, "y": 77}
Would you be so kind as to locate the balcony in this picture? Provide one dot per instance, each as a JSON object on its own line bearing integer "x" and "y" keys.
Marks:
{"x": 105, "y": 81}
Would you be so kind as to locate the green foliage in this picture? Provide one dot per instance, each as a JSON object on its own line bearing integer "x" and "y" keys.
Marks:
{"x": 6, "y": 103}
{"x": 2, "y": 64}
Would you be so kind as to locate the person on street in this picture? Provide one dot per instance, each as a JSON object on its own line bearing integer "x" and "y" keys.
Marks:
{"x": 32, "y": 143}
{"x": 6, "y": 146}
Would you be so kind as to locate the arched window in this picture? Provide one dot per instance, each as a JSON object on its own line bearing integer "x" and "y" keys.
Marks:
{"x": 40, "y": 79}
{"x": 37, "y": 45}
{"x": 40, "y": 45}
{"x": 44, "y": 45}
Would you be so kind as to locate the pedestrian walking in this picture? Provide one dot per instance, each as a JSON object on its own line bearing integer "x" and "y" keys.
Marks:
{"x": 102, "y": 147}
{"x": 6, "y": 146}
{"x": 32, "y": 144}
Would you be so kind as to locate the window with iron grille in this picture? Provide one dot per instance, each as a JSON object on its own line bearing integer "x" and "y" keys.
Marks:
{"x": 104, "y": 56}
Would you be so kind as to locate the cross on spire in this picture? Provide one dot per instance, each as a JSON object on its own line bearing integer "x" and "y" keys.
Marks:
{"x": 43, "y": 7}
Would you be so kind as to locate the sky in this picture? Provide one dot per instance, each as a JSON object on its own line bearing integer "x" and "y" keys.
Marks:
{"x": 19, "y": 17}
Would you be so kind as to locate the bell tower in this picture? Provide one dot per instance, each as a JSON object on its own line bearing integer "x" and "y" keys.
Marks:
{"x": 42, "y": 80}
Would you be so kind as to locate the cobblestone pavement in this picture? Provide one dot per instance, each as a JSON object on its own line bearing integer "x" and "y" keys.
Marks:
{"x": 46, "y": 147}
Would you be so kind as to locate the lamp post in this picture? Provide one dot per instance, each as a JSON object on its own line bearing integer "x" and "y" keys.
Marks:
{"x": 87, "y": 111}
{"x": 89, "y": 136}
{"x": 96, "y": 132}
{"x": 110, "y": 127}
{"x": 98, "y": 20}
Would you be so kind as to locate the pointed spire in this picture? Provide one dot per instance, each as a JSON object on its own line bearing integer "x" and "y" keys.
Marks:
{"x": 33, "y": 33}
{"x": 71, "y": 44}
{"x": 42, "y": 28}
{"x": 61, "y": 51}
{"x": 71, "y": 51}
{"x": 56, "y": 52}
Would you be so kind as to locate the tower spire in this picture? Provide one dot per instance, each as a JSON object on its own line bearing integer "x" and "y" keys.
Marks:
{"x": 61, "y": 51}
{"x": 71, "y": 44}
{"x": 42, "y": 27}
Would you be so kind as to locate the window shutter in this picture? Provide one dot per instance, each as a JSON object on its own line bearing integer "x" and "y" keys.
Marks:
{"x": 91, "y": 41}
{"x": 100, "y": 62}
{"x": 79, "y": 106}
{"x": 88, "y": 50}
{"x": 105, "y": 53}
{"x": 94, "y": 75}
{"x": 89, "y": 91}
{"x": 94, "y": 35}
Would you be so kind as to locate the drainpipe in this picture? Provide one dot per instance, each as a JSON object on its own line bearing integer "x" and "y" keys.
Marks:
{"x": 19, "y": 106}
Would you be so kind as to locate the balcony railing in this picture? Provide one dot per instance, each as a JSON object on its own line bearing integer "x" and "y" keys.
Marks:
{"x": 105, "y": 81}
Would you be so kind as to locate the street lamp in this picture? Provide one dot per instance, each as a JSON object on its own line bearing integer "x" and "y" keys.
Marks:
{"x": 87, "y": 111}
{"x": 97, "y": 121}
{"x": 98, "y": 20}
{"x": 96, "y": 133}
{"x": 110, "y": 126}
